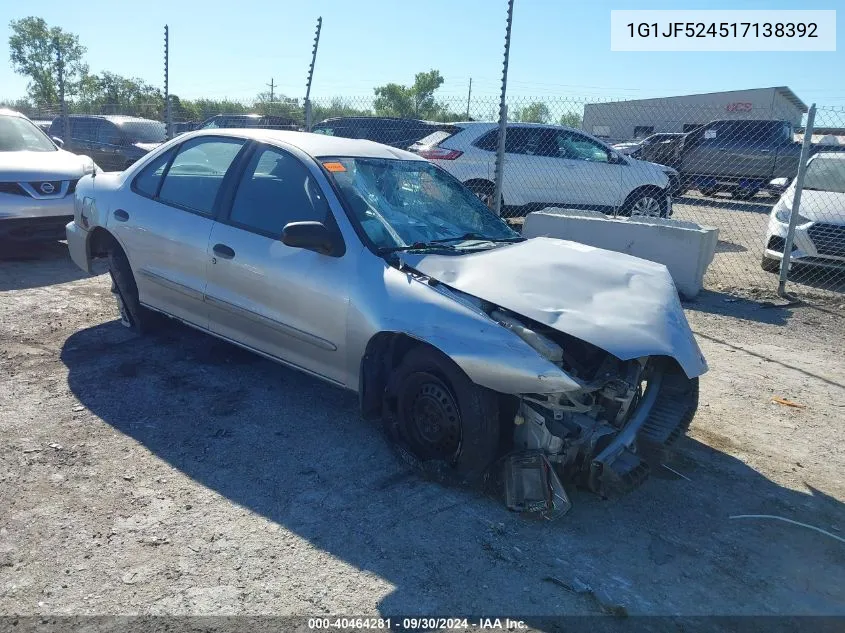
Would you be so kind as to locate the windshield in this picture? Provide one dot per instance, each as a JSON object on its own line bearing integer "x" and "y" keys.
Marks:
{"x": 21, "y": 135}
{"x": 410, "y": 203}
{"x": 144, "y": 131}
{"x": 826, "y": 173}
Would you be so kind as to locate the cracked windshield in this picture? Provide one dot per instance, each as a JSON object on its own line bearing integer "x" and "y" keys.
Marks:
{"x": 412, "y": 204}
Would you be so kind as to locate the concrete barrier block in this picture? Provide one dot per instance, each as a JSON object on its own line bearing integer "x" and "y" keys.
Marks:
{"x": 685, "y": 248}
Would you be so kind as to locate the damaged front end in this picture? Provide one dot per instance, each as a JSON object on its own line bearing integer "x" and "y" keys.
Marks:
{"x": 606, "y": 435}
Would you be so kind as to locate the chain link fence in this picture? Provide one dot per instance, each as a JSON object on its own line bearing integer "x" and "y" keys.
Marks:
{"x": 729, "y": 167}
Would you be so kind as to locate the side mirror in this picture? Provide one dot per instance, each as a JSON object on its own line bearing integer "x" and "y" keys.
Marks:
{"x": 58, "y": 141}
{"x": 313, "y": 236}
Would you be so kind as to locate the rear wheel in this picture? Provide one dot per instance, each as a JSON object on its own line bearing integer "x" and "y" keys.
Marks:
{"x": 132, "y": 314}
{"x": 745, "y": 194}
{"x": 770, "y": 265}
{"x": 442, "y": 418}
{"x": 708, "y": 191}
{"x": 485, "y": 191}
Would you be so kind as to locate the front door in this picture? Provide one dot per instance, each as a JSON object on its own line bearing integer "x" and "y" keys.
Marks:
{"x": 165, "y": 223}
{"x": 289, "y": 303}
{"x": 106, "y": 148}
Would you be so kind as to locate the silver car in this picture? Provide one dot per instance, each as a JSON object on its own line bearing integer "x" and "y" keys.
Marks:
{"x": 377, "y": 271}
{"x": 37, "y": 181}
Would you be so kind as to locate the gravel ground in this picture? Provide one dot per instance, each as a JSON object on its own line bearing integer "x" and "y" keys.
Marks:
{"x": 180, "y": 475}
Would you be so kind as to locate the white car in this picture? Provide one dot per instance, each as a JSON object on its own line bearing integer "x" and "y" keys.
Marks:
{"x": 820, "y": 231}
{"x": 550, "y": 165}
{"x": 37, "y": 181}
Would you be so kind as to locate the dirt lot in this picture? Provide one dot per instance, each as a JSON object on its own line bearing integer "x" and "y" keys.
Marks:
{"x": 179, "y": 475}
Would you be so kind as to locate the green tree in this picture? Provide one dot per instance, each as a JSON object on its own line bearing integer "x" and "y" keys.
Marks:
{"x": 336, "y": 107}
{"x": 410, "y": 101}
{"x": 34, "y": 50}
{"x": 280, "y": 105}
{"x": 536, "y": 112}
{"x": 110, "y": 93}
{"x": 571, "y": 119}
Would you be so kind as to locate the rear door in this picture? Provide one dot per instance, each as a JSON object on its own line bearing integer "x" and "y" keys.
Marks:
{"x": 106, "y": 147}
{"x": 83, "y": 135}
{"x": 164, "y": 223}
{"x": 577, "y": 170}
{"x": 752, "y": 149}
{"x": 290, "y": 303}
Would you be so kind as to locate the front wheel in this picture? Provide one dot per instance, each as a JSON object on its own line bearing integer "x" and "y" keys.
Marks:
{"x": 443, "y": 418}
{"x": 770, "y": 265}
{"x": 645, "y": 204}
{"x": 132, "y": 314}
{"x": 745, "y": 194}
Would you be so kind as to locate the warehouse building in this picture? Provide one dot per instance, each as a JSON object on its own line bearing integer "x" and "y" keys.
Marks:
{"x": 626, "y": 120}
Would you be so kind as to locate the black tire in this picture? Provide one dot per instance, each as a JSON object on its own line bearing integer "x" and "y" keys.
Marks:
{"x": 708, "y": 191}
{"x": 484, "y": 191}
{"x": 447, "y": 423}
{"x": 770, "y": 265}
{"x": 132, "y": 314}
{"x": 635, "y": 199}
{"x": 744, "y": 194}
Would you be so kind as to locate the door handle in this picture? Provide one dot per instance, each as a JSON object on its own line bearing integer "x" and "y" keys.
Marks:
{"x": 120, "y": 215}
{"x": 226, "y": 252}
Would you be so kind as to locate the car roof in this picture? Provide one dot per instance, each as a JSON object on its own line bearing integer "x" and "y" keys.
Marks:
{"x": 380, "y": 118}
{"x": 114, "y": 118}
{"x": 316, "y": 145}
{"x": 8, "y": 112}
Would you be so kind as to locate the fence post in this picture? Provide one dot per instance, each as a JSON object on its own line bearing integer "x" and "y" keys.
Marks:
{"x": 168, "y": 114}
{"x": 503, "y": 118}
{"x": 796, "y": 201}
{"x": 311, "y": 75}
{"x": 60, "y": 67}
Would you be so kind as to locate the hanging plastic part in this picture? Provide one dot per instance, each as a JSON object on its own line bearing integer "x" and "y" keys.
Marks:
{"x": 533, "y": 487}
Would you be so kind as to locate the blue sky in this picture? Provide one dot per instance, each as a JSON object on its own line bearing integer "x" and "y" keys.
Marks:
{"x": 559, "y": 47}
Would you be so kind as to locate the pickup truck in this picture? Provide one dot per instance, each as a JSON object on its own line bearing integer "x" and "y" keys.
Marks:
{"x": 738, "y": 156}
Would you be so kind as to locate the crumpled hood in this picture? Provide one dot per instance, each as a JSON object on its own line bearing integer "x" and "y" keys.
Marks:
{"x": 622, "y": 304}
{"x": 34, "y": 166}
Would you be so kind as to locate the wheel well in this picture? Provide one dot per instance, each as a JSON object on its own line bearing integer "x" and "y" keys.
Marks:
{"x": 639, "y": 191}
{"x": 384, "y": 352}
{"x": 100, "y": 242}
{"x": 480, "y": 182}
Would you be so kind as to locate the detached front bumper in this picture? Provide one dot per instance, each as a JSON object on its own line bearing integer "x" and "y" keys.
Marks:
{"x": 77, "y": 245}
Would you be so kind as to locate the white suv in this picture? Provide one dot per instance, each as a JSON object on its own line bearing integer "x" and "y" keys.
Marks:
{"x": 550, "y": 165}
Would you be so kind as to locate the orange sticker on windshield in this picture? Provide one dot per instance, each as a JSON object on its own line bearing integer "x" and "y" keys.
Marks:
{"x": 334, "y": 166}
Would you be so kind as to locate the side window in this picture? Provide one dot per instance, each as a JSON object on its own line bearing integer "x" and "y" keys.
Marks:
{"x": 489, "y": 141}
{"x": 83, "y": 129}
{"x": 521, "y": 140}
{"x": 147, "y": 182}
{"x": 108, "y": 134}
{"x": 195, "y": 176}
{"x": 276, "y": 189}
{"x": 577, "y": 147}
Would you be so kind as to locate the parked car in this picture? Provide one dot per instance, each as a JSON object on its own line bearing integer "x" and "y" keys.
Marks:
{"x": 374, "y": 270}
{"x": 114, "y": 142}
{"x": 737, "y": 156}
{"x": 37, "y": 181}
{"x": 393, "y": 131}
{"x": 44, "y": 125}
{"x": 820, "y": 231}
{"x": 269, "y": 122}
{"x": 550, "y": 165}
{"x": 631, "y": 148}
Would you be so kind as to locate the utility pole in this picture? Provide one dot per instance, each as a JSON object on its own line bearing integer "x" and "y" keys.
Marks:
{"x": 469, "y": 96}
{"x": 272, "y": 85}
{"x": 503, "y": 118}
{"x": 311, "y": 75}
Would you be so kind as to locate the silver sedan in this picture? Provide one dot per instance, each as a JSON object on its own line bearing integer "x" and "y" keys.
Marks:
{"x": 377, "y": 271}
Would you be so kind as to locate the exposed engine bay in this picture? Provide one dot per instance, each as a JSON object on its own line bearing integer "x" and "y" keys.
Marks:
{"x": 603, "y": 437}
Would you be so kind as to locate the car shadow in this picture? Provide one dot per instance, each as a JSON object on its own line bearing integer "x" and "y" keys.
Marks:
{"x": 294, "y": 450}
{"x": 36, "y": 264}
{"x": 723, "y": 246}
{"x": 757, "y": 205}
{"x": 724, "y": 304}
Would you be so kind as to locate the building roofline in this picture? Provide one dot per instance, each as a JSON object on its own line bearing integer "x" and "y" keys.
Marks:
{"x": 785, "y": 91}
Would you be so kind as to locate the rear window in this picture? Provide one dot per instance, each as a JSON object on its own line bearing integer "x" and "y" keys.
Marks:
{"x": 435, "y": 138}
